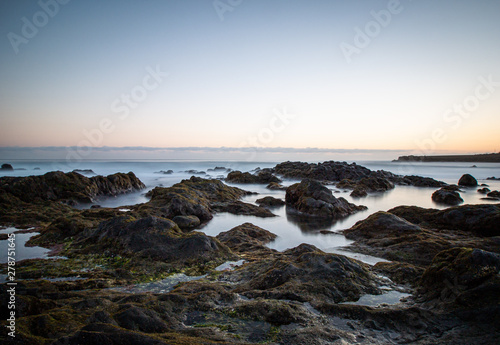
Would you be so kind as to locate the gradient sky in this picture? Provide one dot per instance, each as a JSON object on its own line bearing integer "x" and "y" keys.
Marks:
{"x": 228, "y": 79}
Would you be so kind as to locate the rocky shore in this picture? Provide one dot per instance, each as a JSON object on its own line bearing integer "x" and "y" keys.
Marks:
{"x": 447, "y": 263}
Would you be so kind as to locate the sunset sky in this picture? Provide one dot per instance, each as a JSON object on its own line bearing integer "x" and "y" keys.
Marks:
{"x": 416, "y": 76}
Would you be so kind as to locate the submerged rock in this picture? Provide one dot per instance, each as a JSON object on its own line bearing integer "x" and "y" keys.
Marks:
{"x": 467, "y": 180}
{"x": 311, "y": 198}
{"x": 269, "y": 201}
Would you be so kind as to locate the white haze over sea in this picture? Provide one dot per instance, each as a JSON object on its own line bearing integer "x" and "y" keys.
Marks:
{"x": 291, "y": 231}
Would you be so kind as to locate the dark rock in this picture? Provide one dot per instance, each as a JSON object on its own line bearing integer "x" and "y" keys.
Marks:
{"x": 401, "y": 273}
{"x": 95, "y": 206}
{"x": 467, "y": 277}
{"x": 494, "y": 194}
{"x": 269, "y": 201}
{"x": 186, "y": 222}
{"x": 419, "y": 181}
{"x": 311, "y": 198}
{"x": 490, "y": 199}
{"x": 37, "y": 168}
{"x": 153, "y": 238}
{"x": 493, "y": 178}
{"x": 218, "y": 169}
{"x": 102, "y": 316}
{"x": 305, "y": 273}
{"x": 467, "y": 180}
{"x": 138, "y": 319}
{"x": 275, "y": 186}
{"x": 366, "y": 185}
{"x": 195, "y": 172}
{"x": 326, "y": 171}
{"x": 484, "y": 190}
{"x": 482, "y": 220}
{"x": 6, "y": 167}
{"x": 262, "y": 176}
{"x": 358, "y": 193}
{"x": 247, "y": 238}
{"x": 167, "y": 172}
{"x": 447, "y": 197}
{"x": 242, "y": 208}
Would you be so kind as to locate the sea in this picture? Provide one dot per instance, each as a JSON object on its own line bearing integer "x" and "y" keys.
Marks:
{"x": 291, "y": 231}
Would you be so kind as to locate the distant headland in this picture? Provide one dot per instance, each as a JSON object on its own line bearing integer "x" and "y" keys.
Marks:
{"x": 478, "y": 158}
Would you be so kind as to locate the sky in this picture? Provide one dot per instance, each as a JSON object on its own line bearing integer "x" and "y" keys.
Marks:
{"x": 343, "y": 77}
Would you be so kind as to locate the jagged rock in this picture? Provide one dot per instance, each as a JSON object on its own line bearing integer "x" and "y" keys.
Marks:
{"x": 262, "y": 176}
{"x": 6, "y": 167}
{"x": 482, "y": 220}
{"x": 467, "y": 277}
{"x": 447, "y": 197}
{"x": 305, "y": 273}
{"x": 269, "y": 201}
{"x": 326, "y": 171}
{"x": 467, "y": 180}
{"x": 248, "y": 238}
{"x": 154, "y": 238}
{"x": 419, "y": 181}
{"x": 186, "y": 222}
{"x": 311, "y": 198}
{"x": 242, "y": 208}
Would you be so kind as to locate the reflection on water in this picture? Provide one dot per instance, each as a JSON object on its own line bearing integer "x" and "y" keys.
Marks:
{"x": 390, "y": 298}
{"x": 22, "y": 252}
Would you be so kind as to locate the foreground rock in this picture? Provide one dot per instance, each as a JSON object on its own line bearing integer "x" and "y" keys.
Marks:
{"x": 311, "y": 198}
{"x": 447, "y": 197}
{"x": 264, "y": 176}
{"x": 248, "y": 240}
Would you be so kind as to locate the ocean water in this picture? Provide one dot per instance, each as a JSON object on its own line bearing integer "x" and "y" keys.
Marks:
{"x": 291, "y": 231}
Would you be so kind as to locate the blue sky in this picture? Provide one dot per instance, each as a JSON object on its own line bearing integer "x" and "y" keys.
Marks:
{"x": 226, "y": 77}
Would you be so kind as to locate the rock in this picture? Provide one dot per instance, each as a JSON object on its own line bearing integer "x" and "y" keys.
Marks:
{"x": 466, "y": 277}
{"x": 467, "y": 180}
{"x": 419, "y": 181}
{"x": 153, "y": 238}
{"x": 483, "y": 190}
{"x": 366, "y": 185}
{"x": 242, "y": 208}
{"x": 275, "y": 186}
{"x": 193, "y": 197}
{"x": 167, "y": 172}
{"x": 37, "y": 168}
{"x": 494, "y": 194}
{"x": 58, "y": 186}
{"x": 447, "y": 197}
{"x": 311, "y": 198}
{"x": 195, "y": 172}
{"x": 493, "y": 178}
{"x": 248, "y": 239}
{"x": 358, "y": 193}
{"x": 401, "y": 273}
{"x": 219, "y": 169}
{"x": 142, "y": 320}
{"x": 186, "y": 222}
{"x": 326, "y": 171}
{"x": 269, "y": 201}
{"x": 304, "y": 273}
{"x": 481, "y": 220}
{"x": 391, "y": 237}
{"x": 96, "y": 206}
{"x": 262, "y": 176}
{"x": 6, "y": 167}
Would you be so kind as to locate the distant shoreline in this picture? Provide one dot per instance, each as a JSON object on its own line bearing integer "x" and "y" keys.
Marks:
{"x": 478, "y": 158}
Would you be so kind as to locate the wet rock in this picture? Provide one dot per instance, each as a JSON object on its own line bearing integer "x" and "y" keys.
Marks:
{"x": 242, "y": 208}
{"x": 482, "y": 220}
{"x": 305, "y": 273}
{"x": 262, "y": 176}
{"x": 467, "y": 180}
{"x": 358, "y": 193}
{"x": 399, "y": 272}
{"x": 367, "y": 185}
{"x": 247, "y": 238}
{"x": 153, "y": 238}
{"x": 275, "y": 186}
{"x": 6, "y": 167}
{"x": 447, "y": 197}
{"x": 484, "y": 190}
{"x": 311, "y": 198}
{"x": 186, "y": 222}
{"x": 467, "y": 277}
{"x": 494, "y": 194}
{"x": 326, "y": 171}
{"x": 269, "y": 201}
{"x": 419, "y": 181}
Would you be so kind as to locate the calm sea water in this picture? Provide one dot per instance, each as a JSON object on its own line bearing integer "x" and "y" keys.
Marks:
{"x": 290, "y": 230}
